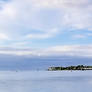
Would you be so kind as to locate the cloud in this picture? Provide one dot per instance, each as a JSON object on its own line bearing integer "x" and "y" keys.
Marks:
{"x": 73, "y": 13}
{"x": 22, "y": 19}
{"x": 20, "y": 44}
{"x": 3, "y": 36}
{"x": 89, "y": 34}
{"x": 38, "y": 36}
{"x": 76, "y": 14}
{"x": 65, "y": 50}
{"x": 69, "y": 50}
{"x": 58, "y": 3}
{"x": 79, "y": 36}
{"x": 48, "y": 34}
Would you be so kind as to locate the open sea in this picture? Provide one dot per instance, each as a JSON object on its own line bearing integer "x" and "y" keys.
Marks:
{"x": 45, "y": 81}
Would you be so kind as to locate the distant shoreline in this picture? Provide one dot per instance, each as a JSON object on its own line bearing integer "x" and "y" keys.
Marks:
{"x": 78, "y": 67}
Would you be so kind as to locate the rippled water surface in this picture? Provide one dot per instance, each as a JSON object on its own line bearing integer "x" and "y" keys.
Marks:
{"x": 46, "y": 81}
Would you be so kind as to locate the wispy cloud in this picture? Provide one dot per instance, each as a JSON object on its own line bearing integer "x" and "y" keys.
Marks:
{"x": 79, "y": 36}
{"x": 65, "y": 50}
{"x": 46, "y": 34}
{"x": 70, "y": 50}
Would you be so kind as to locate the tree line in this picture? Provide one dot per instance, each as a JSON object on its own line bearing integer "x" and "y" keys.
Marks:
{"x": 78, "y": 67}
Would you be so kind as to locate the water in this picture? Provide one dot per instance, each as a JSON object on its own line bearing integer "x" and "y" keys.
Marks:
{"x": 46, "y": 81}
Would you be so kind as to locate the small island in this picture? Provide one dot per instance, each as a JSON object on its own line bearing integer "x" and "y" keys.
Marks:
{"x": 78, "y": 67}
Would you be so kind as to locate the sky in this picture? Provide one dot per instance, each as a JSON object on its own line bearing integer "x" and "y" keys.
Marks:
{"x": 46, "y": 27}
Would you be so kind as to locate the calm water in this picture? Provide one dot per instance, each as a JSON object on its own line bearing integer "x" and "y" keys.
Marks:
{"x": 46, "y": 81}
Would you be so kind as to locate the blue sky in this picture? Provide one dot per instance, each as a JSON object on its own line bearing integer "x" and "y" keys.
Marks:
{"x": 47, "y": 25}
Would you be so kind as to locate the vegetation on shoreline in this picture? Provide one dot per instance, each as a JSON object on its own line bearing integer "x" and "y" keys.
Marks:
{"x": 79, "y": 67}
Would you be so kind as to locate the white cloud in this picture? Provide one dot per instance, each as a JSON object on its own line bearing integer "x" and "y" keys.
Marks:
{"x": 20, "y": 18}
{"x": 79, "y": 36}
{"x": 76, "y": 14}
{"x": 89, "y": 34}
{"x": 69, "y": 50}
{"x": 48, "y": 34}
{"x": 65, "y": 50}
{"x": 58, "y": 3}
{"x": 27, "y": 14}
{"x": 3, "y": 36}
{"x": 38, "y": 36}
{"x": 20, "y": 44}
{"x": 8, "y": 11}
